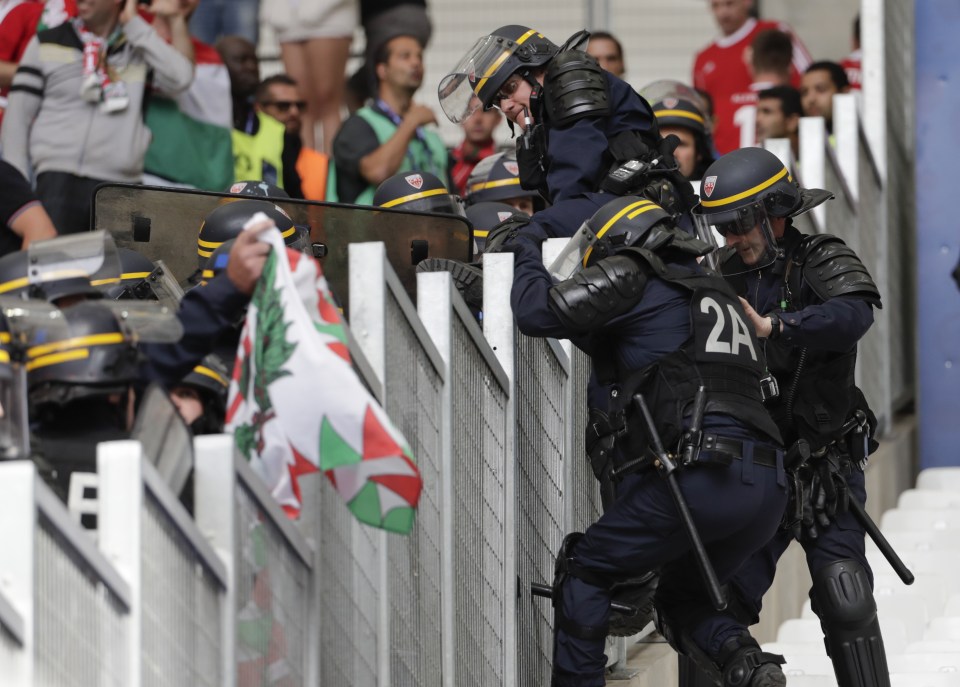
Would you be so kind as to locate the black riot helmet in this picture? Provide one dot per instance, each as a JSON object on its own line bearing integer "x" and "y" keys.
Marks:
{"x": 680, "y": 113}
{"x": 416, "y": 192}
{"x": 217, "y": 262}
{"x": 486, "y": 216}
{"x": 258, "y": 189}
{"x": 93, "y": 357}
{"x": 742, "y": 191}
{"x": 624, "y": 222}
{"x": 493, "y": 59}
{"x": 497, "y": 178}
{"x": 15, "y": 280}
{"x": 135, "y": 270}
{"x": 226, "y": 221}
{"x": 211, "y": 381}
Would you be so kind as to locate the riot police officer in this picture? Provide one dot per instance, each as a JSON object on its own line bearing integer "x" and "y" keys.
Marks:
{"x": 416, "y": 192}
{"x": 660, "y": 330}
{"x": 810, "y": 300}
{"x": 580, "y": 123}
{"x": 497, "y": 179}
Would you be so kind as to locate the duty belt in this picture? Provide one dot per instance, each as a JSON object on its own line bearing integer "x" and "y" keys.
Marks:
{"x": 762, "y": 455}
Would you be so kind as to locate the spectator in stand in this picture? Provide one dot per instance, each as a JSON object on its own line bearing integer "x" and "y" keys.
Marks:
{"x": 851, "y": 63}
{"x": 92, "y": 69}
{"x": 381, "y": 21}
{"x": 315, "y": 38}
{"x": 770, "y": 55}
{"x": 608, "y": 51}
{"x": 821, "y": 82}
{"x": 218, "y": 18}
{"x": 192, "y": 143}
{"x": 262, "y": 148}
{"x": 390, "y": 135}
{"x": 778, "y": 116}
{"x": 721, "y": 69}
{"x": 279, "y": 97}
{"x": 477, "y": 144}
{"x": 19, "y": 25}
{"x": 24, "y": 219}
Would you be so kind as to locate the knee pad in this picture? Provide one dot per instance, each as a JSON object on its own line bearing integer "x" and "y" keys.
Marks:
{"x": 842, "y": 598}
{"x": 566, "y": 566}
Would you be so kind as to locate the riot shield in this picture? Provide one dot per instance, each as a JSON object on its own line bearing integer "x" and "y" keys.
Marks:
{"x": 163, "y": 224}
{"x": 165, "y": 437}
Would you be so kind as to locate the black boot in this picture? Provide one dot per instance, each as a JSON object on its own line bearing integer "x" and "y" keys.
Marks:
{"x": 743, "y": 664}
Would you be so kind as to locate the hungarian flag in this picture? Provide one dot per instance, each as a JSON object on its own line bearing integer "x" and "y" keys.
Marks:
{"x": 296, "y": 405}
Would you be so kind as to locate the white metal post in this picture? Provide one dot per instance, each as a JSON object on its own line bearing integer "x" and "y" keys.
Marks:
{"x": 18, "y": 525}
{"x": 846, "y": 131}
{"x": 813, "y": 159}
{"x": 215, "y": 512}
{"x": 120, "y": 525}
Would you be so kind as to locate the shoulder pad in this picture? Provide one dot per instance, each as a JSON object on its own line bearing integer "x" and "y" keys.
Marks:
{"x": 574, "y": 87}
{"x": 596, "y": 295}
{"x": 832, "y": 269}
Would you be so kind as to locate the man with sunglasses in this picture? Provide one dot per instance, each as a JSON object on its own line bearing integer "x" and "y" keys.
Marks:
{"x": 279, "y": 97}
{"x": 579, "y": 122}
{"x": 810, "y": 300}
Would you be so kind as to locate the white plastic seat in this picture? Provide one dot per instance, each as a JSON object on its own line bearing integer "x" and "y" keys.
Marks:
{"x": 799, "y": 631}
{"x": 933, "y": 646}
{"x": 931, "y": 586}
{"x": 944, "y": 478}
{"x": 952, "y": 607}
{"x": 807, "y": 664}
{"x": 928, "y": 498}
{"x": 795, "y": 648}
{"x": 943, "y": 628}
{"x": 811, "y": 681}
{"x": 910, "y": 609}
{"x": 917, "y": 519}
{"x": 924, "y": 680}
{"x": 924, "y": 663}
{"x": 927, "y": 540}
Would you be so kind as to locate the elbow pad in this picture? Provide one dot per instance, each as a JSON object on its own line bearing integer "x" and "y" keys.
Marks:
{"x": 599, "y": 293}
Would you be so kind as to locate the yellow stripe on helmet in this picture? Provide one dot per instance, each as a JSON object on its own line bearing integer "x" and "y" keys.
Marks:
{"x": 57, "y": 358}
{"x": 209, "y": 244}
{"x": 212, "y": 374}
{"x": 749, "y": 192}
{"x": 75, "y": 342}
{"x": 613, "y": 220}
{"x": 14, "y": 284}
{"x": 679, "y": 113}
{"x": 480, "y": 234}
{"x": 500, "y": 60}
{"x": 414, "y": 196}
{"x": 484, "y": 185}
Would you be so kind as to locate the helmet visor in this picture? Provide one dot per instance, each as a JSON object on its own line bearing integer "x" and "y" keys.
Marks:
{"x": 749, "y": 232}
{"x": 574, "y": 255}
{"x": 458, "y": 90}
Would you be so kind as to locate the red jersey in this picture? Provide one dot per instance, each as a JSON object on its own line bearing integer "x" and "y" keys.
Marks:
{"x": 464, "y": 162}
{"x": 722, "y": 69}
{"x": 851, "y": 65}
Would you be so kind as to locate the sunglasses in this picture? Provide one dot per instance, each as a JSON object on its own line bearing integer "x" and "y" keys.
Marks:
{"x": 285, "y": 105}
{"x": 507, "y": 89}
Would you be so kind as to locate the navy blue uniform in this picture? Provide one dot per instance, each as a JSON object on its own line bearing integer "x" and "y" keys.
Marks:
{"x": 829, "y": 330}
{"x": 578, "y": 156}
{"x": 206, "y": 313}
{"x": 735, "y": 507}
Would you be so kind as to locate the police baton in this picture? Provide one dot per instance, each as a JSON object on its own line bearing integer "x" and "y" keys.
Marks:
{"x": 876, "y": 535}
{"x": 666, "y": 467}
{"x": 546, "y": 591}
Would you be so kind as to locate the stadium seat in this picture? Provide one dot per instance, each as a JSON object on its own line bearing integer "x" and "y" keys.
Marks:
{"x": 795, "y": 648}
{"x": 924, "y": 663}
{"x": 943, "y": 628}
{"x": 811, "y": 681}
{"x": 924, "y": 680}
{"x": 929, "y": 498}
{"x": 928, "y": 540}
{"x": 919, "y": 520}
{"x": 799, "y": 631}
{"x": 933, "y": 646}
{"x": 945, "y": 479}
{"x": 807, "y": 664}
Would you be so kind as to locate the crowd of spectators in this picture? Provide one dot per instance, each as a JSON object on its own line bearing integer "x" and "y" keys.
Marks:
{"x": 169, "y": 92}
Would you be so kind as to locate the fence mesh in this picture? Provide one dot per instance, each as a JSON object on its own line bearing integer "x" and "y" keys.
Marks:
{"x": 413, "y": 397}
{"x": 542, "y": 386}
{"x": 181, "y": 617}
{"x": 479, "y": 428}
{"x": 80, "y": 626}
{"x": 272, "y": 600}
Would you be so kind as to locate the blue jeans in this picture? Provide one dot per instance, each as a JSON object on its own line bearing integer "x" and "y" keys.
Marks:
{"x": 215, "y": 18}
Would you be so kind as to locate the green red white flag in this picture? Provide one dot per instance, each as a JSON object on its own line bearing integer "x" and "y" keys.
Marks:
{"x": 296, "y": 405}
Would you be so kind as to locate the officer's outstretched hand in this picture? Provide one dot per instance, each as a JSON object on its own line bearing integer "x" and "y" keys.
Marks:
{"x": 248, "y": 256}
{"x": 761, "y": 324}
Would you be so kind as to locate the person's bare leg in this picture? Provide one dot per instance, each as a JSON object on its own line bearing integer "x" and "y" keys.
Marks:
{"x": 295, "y": 63}
{"x": 327, "y": 59}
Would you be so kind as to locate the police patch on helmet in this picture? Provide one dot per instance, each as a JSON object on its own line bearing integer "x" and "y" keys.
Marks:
{"x": 238, "y": 187}
{"x": 282, "y": 211}
{"x": 709, "y": 184}
{"x": 670, "y": 103}
{"x": 504, "y": 215}
{"x": 512, "y": 167}
{"x": 414, "y": 180}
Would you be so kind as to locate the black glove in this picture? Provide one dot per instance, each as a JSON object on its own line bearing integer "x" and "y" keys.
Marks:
{"x": 531, "y": 156}
{"x": 826, "y": 494}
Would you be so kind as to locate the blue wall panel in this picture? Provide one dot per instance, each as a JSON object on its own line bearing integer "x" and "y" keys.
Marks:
{"x": 938, "y": 229}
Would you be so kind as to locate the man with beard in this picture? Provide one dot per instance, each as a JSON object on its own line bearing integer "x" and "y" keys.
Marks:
{"x": 389, "y": 135}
